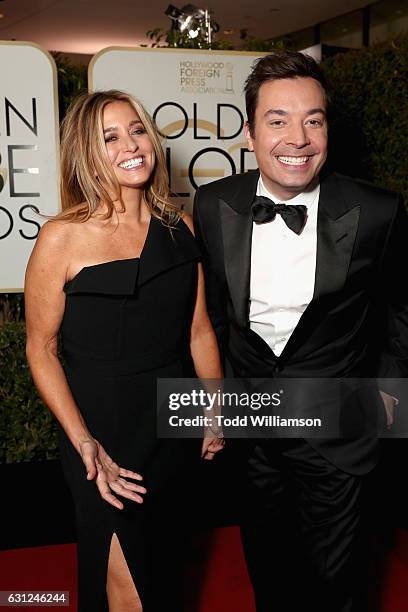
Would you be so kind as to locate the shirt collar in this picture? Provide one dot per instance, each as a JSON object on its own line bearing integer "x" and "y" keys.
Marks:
{"x": 306, "y": 198}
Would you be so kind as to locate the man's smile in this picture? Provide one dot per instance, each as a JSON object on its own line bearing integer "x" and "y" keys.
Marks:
{"x": 290, "y": 160}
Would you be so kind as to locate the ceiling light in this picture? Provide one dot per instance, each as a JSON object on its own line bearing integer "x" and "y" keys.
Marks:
{"x": 189, "y": 12}
{"x": 171, "y": 11}
{"x": 192, "y": 21}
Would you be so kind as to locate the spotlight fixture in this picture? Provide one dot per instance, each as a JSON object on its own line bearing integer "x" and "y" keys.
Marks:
{"x": 189, "y": 13}
{"x": 171, "y": 11}
{"x": 192, "y": 21}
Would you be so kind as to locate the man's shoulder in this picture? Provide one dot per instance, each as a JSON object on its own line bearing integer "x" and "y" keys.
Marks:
{"x": 362, "y": 190}
{"x": 226, "y": 186}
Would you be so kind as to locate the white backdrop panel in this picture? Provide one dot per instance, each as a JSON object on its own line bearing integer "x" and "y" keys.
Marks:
{"x": 196, "y": 98}
{"x": 29, "y": 153}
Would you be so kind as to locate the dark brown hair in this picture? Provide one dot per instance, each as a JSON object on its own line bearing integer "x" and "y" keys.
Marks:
{"x": 278, "y": 65}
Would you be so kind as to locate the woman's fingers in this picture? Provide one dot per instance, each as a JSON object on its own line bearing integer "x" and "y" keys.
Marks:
{"x": 211, "y": 451}
{"x": 211, "y": 446}
{"x": 107, "y": 495}
{"x": 108, "y": 480}
{"x": 105, "y": 490}
{"x": 209, "y": 456}
{"x": 120, "y": 489}
{"x": 113, "y": 467}
{"x": 130, "y": 474}
{"x": 109, "y": 476}
{"x": 131, "y": 486}
{"x": 217, "y": 443}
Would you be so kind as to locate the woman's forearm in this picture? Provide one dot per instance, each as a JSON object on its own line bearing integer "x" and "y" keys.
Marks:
{"x": 205, "y": 354}
{"x": 52, "y": 385}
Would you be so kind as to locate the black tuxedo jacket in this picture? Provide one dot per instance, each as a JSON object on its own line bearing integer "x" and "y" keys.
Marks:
{"x": 357, "y": 322}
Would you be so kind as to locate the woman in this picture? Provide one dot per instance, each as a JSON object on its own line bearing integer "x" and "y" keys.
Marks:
{"x": 117, "y": 274}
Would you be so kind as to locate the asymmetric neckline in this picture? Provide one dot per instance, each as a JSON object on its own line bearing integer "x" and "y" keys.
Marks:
{"x": 114, "y": 261}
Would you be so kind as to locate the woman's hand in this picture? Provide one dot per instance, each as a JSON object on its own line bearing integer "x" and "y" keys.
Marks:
{"x": 109, "y": 476}
{"x": 211, "y": 445}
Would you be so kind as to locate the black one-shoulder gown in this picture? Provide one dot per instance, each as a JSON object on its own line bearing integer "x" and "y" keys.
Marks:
{"x": 127, "y": 323}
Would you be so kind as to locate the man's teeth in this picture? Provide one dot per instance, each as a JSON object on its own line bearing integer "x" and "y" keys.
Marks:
{"x": 293, "y": 161}
{"x": 132, "y": 163}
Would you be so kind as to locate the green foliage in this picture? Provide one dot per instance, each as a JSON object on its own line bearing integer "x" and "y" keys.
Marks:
{"x": 11, "y": 307}
{"x": 72, "y": 81}
{"x": 250, "y": 43}
{"x": 28, "y": 428}
{"x": 158, "y": 36}
{"x": 369, "y": 122}
{"x": 222, "y": 45}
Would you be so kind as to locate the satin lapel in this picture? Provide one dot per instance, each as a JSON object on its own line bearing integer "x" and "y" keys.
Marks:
{"x": 335, "y": 242}
{"x": 337, "y": 224}
{"x": 237, "y": 238}
{"x": 236, "y": 225}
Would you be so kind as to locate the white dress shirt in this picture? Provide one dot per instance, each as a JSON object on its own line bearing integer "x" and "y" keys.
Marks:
{"x": 283, "y": 266}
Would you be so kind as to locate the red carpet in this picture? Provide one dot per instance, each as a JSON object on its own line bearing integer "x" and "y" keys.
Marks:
{"x": 216, "y": 575}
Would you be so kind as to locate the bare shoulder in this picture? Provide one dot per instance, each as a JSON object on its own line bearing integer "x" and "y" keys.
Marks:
{"x": 52, "y": 251}
{"x": 45, "y": 278}
{"x": 62, "y": 235}
{"x": 54, "y": 234}
{"x": 188, "y": 220}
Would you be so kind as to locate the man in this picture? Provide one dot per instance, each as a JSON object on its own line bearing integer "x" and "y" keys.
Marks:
{"x": 302, "y": 282}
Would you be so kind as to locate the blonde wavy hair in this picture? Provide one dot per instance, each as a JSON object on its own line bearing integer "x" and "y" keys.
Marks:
{"x": 87, "y": 176}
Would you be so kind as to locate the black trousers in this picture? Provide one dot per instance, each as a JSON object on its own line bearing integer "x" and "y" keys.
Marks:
{"x": 302, "y": 531}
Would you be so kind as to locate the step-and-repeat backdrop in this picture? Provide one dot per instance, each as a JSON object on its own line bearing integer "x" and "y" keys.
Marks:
{"x": 197, "y": 102}
{"x": 196, "y": 98}
{"x": 29, "y": 151}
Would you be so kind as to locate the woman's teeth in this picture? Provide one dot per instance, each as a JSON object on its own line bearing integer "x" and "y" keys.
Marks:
{"x": 132, "y": 163}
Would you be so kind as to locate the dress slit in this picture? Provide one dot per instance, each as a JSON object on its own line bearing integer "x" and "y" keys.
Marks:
{"x": 121, "y": 573}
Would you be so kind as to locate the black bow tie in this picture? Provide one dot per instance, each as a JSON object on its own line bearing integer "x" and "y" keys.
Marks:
{"x": 294, "y": 215}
